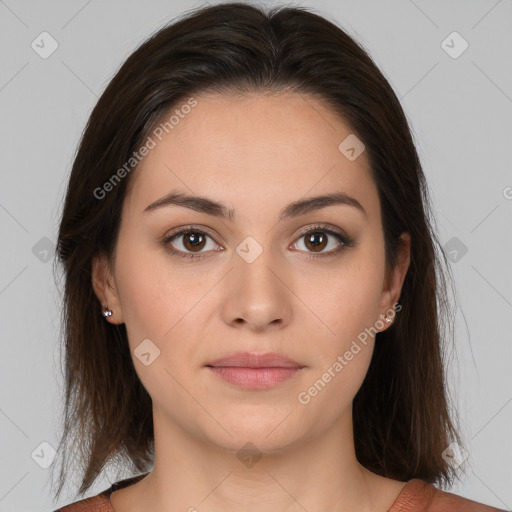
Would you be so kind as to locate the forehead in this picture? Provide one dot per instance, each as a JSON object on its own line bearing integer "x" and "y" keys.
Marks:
{"x": 277, "y": 147}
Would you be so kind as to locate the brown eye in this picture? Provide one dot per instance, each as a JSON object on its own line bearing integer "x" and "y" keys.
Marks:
{"x": 316, "y": 241}
{"x": 194, "y": 240}
{"x": 318, "y": 238}
{"x": 192, "y": 243}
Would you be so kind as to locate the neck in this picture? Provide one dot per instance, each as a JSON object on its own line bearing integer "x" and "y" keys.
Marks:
{"x": 317, "y": 473}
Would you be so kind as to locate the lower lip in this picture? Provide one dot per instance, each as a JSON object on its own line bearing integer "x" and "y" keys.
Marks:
{"x": 254, "y": 378}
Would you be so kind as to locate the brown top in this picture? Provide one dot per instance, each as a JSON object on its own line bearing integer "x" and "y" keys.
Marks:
{"x": 416, "y": 496}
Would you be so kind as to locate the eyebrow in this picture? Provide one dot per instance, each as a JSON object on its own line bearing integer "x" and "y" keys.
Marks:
{"x": 216, "y": 209}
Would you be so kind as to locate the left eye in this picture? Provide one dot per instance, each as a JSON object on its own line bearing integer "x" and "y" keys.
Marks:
{"x": 317, "y": 240}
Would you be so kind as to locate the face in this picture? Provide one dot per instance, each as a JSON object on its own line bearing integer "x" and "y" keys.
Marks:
{"x": 304, "y": 285}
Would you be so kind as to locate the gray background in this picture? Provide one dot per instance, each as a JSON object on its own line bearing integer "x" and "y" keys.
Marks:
{"x": 460, "y": 110}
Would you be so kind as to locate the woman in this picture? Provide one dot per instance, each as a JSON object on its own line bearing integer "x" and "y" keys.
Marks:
{"x": 252, "y": 292}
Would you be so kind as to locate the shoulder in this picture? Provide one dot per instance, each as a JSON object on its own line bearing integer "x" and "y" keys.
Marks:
{"x": 98, "y": 503}
{"x": 420, "y": 495}
{"x": 101, "y": 502}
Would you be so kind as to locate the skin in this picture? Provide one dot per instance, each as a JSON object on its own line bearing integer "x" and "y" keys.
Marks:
{"x": 256, "y": 153}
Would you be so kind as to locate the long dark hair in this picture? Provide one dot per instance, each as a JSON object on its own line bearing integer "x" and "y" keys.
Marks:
{"x": 401, "y": 413}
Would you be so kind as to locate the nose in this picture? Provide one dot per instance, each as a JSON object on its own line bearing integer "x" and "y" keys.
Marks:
{"x": 257, "y": 295}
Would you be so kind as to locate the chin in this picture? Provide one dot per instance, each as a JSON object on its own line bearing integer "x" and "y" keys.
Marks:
{"x": 269, "y": 435}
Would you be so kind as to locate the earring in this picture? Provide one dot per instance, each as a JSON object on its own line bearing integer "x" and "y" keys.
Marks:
{"x": 107, "y": 312}
{"x": 390, "y": 319}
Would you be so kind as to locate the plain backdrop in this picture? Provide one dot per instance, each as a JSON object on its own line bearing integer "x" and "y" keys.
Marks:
{"x": 456, "y": 89}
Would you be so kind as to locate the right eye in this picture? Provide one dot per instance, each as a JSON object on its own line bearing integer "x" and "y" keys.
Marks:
{"x": 194, "y": 240}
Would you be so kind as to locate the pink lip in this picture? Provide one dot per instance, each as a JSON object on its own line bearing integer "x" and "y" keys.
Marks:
{"x": 252, "y": 360}
{"x": 255, "y": 371}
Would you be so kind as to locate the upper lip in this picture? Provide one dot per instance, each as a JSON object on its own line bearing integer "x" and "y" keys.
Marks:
{"x": 253, "y": 360}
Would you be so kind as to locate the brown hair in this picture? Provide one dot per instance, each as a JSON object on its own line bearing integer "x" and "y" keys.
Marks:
{"x": 401, "y": 415}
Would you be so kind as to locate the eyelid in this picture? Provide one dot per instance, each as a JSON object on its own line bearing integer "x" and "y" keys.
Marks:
{"x": 182, "y": 230}
{"x": 322, "y": 227}
{"x": 343, "y": 238}
{"x": 188, "y": 227}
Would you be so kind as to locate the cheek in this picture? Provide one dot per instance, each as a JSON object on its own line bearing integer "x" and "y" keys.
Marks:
{"x": 345, "y": 301}
{"x": 328, "y": 394}
{"x": 151, "y": 303}
{"x": 161, "y": 302}
{"x": 344, "y": 340}
{"x": 158, "y": 305}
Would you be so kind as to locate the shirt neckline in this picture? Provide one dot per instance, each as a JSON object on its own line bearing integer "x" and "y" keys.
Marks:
{"x": 405, "y": 496}
{"x": 408, "y": 495}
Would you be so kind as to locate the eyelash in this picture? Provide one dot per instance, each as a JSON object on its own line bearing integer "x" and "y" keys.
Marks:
{"x": 342, "y": 238}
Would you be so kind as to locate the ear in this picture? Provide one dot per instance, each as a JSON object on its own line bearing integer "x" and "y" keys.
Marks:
{"x": 105, "y": 288}
{"x": 395, "y": 279}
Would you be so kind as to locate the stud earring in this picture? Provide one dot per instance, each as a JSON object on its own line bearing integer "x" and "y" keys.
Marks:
{"x": 107, "y": 312}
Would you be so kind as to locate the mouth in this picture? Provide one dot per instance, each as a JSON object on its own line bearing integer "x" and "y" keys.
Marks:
{"x": 255, "y": 371}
